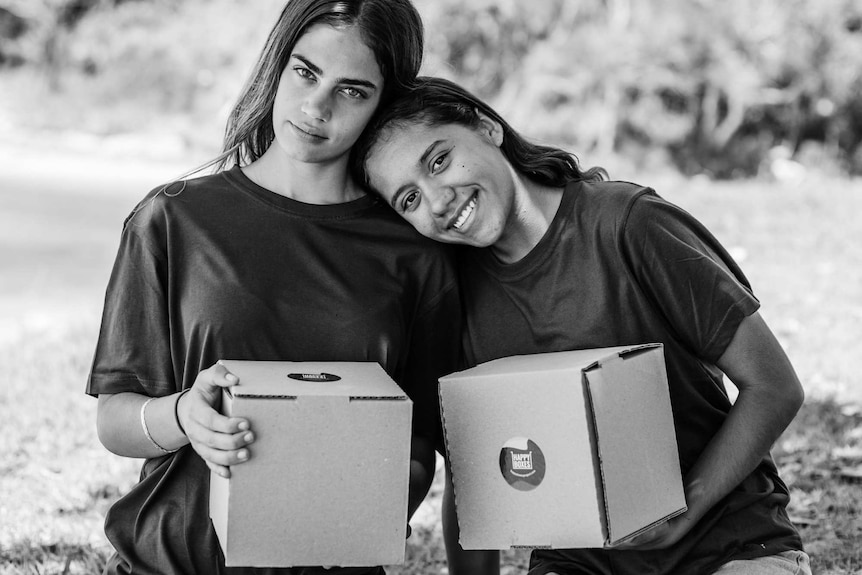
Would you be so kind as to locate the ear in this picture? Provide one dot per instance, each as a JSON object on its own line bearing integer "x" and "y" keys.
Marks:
{"x": 490, "y": 128}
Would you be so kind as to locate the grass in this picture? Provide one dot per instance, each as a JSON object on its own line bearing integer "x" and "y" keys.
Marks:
{"x": 799, "y": 245}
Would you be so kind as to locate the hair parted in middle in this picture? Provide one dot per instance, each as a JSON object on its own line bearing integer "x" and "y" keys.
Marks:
{"x": 435, "y": 101}
{"x": 392, "y": 29}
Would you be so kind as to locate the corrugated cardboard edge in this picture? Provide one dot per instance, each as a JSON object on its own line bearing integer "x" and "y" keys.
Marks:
{"x": 631, "y": 536}
{"x": 219, "y": 490}
{"x": 448, "y": 456}
{"x": 598, "y": 468}
{"x": 622, "y": 352}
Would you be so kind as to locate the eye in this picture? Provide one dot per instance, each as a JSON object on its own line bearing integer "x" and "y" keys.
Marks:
{"x": 354, "y": 93}
{"x": 409, "y": 200}
{"x": 304, "y": 73}
{"x": 439, "y": 162}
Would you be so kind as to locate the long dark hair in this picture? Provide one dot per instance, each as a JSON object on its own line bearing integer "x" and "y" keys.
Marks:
{"x": 392, "y": 29}
{"x": 434, "y": 101}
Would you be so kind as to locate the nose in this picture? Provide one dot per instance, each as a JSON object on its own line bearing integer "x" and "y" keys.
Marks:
{"x": 318, "y": 105}
{"x": 441, "y": 200}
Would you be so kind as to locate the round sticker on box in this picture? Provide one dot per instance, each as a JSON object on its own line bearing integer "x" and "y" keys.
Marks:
{"x": 314, "y": 376}
{"x": 522, "y": 463}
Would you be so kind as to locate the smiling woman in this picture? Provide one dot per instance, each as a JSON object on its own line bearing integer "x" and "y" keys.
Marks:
{"x": 280, "y": 255}
{"x": 563, "y": 260}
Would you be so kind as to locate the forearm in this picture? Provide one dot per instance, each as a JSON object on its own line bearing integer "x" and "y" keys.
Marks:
{"x": 755, "y": 422}
{"x": 769, "y": 397}
{"x": 422, "y": 467}
{"x": 121, "y": 432}
{"x": 463, "y": 562}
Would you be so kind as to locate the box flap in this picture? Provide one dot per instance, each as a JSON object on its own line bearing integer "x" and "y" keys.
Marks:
{"x": 550, "y": 361}
{"x": 636, "y": 440}
{"x": 288, "y": 379}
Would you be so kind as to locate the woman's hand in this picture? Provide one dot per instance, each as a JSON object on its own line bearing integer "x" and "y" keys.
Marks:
{"x": 220, "y": 441}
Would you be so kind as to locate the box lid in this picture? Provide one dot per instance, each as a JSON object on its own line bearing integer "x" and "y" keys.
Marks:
{"x": 545, "y": 362}
{"x": 290, "y": 379}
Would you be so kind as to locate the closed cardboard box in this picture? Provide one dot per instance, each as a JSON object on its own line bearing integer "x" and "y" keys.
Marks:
{"x": 328, "y": 478}
{"x": 562, "y": 450}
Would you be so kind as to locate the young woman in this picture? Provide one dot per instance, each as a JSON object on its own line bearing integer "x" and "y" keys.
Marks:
{"x": 279, "y": 257}
{"x": 565, "y": 260}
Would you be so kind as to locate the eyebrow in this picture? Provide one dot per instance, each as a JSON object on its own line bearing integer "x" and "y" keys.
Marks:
{"x": 347, "y": 81}
{"x": 422, "y": 160}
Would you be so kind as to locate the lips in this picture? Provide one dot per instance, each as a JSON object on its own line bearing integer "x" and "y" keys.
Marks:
{"x": 308, "y": 132}
{"x": 464, "y": 213}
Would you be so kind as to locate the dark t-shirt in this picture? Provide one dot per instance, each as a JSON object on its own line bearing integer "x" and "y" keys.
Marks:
{"x": 220, "y": 268}
{"x": 619, "y": 266}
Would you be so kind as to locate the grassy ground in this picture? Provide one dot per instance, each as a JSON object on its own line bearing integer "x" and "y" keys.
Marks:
{"x": 799, "y": 245}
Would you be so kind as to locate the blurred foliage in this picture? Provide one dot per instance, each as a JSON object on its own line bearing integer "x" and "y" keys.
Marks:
{"x": 726, "y": 88}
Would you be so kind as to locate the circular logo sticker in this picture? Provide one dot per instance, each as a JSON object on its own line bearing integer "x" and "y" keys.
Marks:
{"x": 313, "y": 376}
{"x": 522, "y": 463}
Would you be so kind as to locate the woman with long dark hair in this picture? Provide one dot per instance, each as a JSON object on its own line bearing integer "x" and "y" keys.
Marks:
{"x": 279, "y": 255}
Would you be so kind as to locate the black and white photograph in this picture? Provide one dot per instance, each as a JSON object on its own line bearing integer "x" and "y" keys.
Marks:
{"x": 431, "y": 287}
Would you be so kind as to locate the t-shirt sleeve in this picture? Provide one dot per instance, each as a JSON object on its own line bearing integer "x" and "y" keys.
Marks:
{"x": 133, "y": 347}
{"x": 689, "y": 276}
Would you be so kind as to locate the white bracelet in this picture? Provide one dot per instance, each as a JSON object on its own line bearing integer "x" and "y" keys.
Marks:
{"x": 146, "y": 429}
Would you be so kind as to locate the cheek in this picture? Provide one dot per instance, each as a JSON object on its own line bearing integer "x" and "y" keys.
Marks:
{"x": 422, "y": 221}
{"x": 354, "y": 120}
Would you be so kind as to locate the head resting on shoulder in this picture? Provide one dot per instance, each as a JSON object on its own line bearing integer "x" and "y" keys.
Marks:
{"x": 392, "y": 29}
{"x": 434, "y": 101}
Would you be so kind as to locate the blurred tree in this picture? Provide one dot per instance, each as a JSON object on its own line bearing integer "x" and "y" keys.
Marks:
{"x": 710, "y": 86}
{"x": 36, "y": 31}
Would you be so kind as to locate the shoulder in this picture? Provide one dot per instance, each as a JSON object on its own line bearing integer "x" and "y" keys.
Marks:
{"x": 174, "y": 197}
{"x": 608, "y": 195}
{"x": 630, "y": 205}
{"x": 605, "y": 201}
{"x": 602, "y": 209}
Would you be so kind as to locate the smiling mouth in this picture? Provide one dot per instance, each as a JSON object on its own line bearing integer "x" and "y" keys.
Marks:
{"x": 465, "y": 213}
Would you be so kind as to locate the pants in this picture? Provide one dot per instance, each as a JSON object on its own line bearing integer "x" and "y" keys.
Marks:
{"x": 787, "y": 563}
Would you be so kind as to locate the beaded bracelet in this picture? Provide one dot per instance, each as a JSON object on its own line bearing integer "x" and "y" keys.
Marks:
{"x": 147, "y": 431}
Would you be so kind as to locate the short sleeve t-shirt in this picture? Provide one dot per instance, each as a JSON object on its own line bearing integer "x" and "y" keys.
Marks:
{"x": 619, "y": 266}
{"x": 220, "y": 268}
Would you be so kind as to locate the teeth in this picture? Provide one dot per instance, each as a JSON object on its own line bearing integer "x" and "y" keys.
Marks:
{"x": 468, "y": 209}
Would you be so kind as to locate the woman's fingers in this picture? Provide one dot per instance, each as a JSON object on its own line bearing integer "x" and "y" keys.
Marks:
{"x": 222, "y": 377}
{"x": 220, "y": 440}
{"x": 220, "y": 470}
{"x": 223, "y": 458}
{"x": 196, "y": 411}
{"x": 203, "y": 415}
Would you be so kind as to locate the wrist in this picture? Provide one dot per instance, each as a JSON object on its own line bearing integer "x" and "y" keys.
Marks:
{"x": 160, "y": 424}
{"x": 177, "y": 417}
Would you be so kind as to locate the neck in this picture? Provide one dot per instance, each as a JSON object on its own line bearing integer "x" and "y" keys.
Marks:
{"x": 311, "y": 183}
{"x": 534, "y": 208}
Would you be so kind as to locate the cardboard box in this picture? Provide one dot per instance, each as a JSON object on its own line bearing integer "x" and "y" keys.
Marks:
{"x": 327, "y": 480}
{"x": 562, "y": 450}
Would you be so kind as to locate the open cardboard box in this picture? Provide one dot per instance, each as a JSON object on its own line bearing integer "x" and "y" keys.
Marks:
{"x": 327, "y": 480}
{"x": 568, "y": 449}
